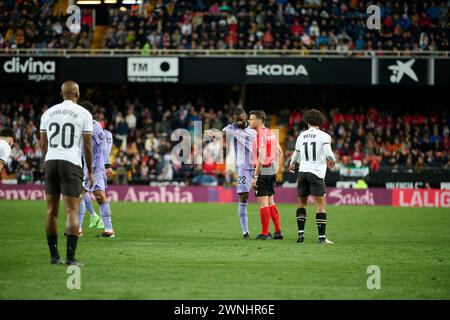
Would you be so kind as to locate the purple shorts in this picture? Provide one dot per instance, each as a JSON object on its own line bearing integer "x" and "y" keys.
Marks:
{"x": 99, "y": 181}
{"x": 244, "y": 180}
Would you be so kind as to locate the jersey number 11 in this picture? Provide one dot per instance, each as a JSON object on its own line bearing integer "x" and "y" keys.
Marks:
{"x": 313, "y": 144}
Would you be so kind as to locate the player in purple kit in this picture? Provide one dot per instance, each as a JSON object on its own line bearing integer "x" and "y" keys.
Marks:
{"x": 241, "y": 135}
{"x": 107, "y": 151}
{"x": 100, "y": 151}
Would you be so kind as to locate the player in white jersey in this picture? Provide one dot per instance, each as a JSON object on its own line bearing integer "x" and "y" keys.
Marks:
{"x": 313, "y": 151}
{"x": 64, "y": 128}
{"x": 6, "y": 142}
{"x": 241, "y": 136}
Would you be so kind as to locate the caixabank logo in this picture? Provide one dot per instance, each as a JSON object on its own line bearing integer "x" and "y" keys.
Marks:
{"x": 31, "y": 69}
{"x": 403, "y": 71}
{"x": 153, "y": 69}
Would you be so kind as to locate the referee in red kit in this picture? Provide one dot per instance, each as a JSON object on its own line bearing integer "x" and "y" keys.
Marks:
{"x": 266, "y": 158}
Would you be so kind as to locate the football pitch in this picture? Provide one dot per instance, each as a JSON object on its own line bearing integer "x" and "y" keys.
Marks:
{"x": 195, "y": 251}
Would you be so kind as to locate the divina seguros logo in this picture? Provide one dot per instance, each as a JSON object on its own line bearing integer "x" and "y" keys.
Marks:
{"x": 37, "y": 70}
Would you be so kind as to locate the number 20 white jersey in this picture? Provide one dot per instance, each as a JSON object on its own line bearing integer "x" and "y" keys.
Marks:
{"x": 314, "y": 147}
{"x": 65, "y": 124}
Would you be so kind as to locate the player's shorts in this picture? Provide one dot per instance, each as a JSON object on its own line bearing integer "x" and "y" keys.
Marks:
{"x": 310, "y": 184}
{"x": 63, "y": 177}
{"x": 244, "y": 180}
{"x": 265, "y": 185}
{"x": 100, "y": 181}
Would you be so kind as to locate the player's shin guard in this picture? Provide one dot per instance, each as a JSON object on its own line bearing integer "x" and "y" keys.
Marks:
{"x": 301, "y": 219}
{"x": 321, "y": 220}
{"x": 265, "y": 220}
{"x": 275, "y": 215}
{"x": 72, "y": 241}
{"x": 105, "y": 213}
{"x": 81, "y": 213}
{"x": 243, "y": 217}
{"x": 52, "y": 241}
{"x": 88, "y": 204}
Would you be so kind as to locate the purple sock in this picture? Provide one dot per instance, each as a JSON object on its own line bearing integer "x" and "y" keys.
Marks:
{"x": 81, "y": 212}
{"x": 88, "y": 204}
{"x": 105, "y": 213}
{"x": 243, "y": 217}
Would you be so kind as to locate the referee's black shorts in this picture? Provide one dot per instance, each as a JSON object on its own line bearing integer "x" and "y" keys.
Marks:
{"x": 310, "y": 184}
{"x": 265, "y": 185}
{"x": 64, "y": 177}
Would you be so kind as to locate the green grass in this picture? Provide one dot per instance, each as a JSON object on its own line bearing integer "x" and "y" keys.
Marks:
{"x": 179, "y": 251}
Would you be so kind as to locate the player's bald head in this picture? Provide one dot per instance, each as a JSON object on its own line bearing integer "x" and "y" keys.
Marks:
{"x": 70, "y": 90}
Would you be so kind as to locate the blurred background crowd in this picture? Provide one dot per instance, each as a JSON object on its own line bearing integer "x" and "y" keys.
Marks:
{"x": 377, "y": 137}
{"x": 231, "y": 24}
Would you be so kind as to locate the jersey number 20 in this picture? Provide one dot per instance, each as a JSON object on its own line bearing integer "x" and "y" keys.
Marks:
{"x": 63, "y": 135}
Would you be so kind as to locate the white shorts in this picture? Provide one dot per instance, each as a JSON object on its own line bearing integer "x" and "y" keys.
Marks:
{"x": 244, "y": 180}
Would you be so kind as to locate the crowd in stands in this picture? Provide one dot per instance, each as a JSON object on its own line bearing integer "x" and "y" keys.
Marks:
{"x": 240, "y": 24}
{"x": 38, "y": 24}
{"x": 142, "y": 143}
{"x": 280, "y": 24}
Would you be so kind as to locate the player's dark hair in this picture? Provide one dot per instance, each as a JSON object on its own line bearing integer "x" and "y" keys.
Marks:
{"x": 314, "y": 117}
{"x": 238, "y": 112}
{"x": 7, "y": 133}
{"x": 261, "y": 115}
{"x": 89, "y": 106}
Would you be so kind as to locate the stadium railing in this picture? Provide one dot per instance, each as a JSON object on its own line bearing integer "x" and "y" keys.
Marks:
{"x": 220, "y": 52}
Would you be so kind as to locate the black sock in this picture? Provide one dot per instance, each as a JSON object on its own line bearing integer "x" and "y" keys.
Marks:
{"x": 301, "y": 219}
{"x": 321, "y": 220}
{"x": 52, "y": 242}
{"x": 72, "y": 241}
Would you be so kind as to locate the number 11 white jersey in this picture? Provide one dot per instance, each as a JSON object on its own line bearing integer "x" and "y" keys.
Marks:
{"x": 65, "y": 124}
{"x": 314, "y": 147}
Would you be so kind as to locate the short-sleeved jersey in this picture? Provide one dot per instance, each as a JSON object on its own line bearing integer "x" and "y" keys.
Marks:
{"x": 5, "y": 151}
{"x": 98, "y": 146}
{"x": 107, "y": 146}
{"x": 65, "y": 124}
{"x": 266, "y": 142}
{"x": 242, "y": 140}
{"x": 314, "y": 148}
